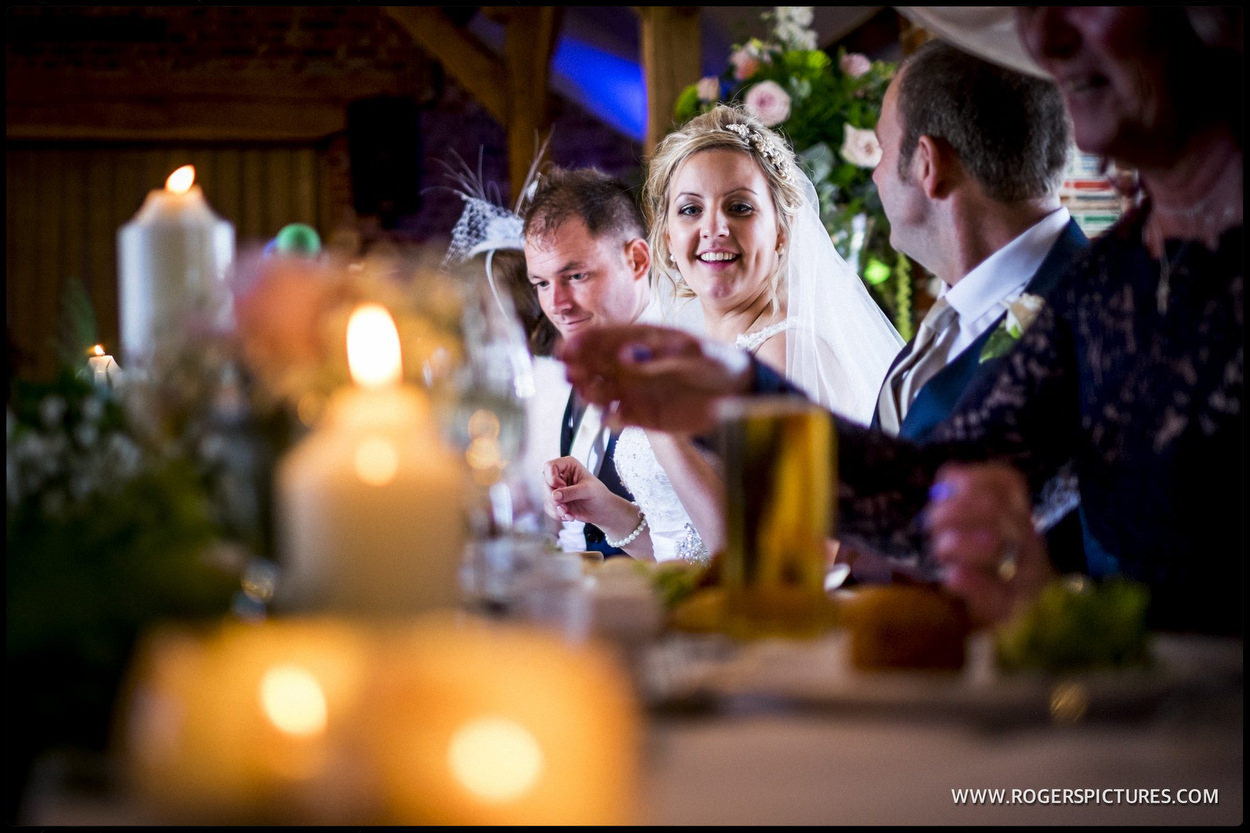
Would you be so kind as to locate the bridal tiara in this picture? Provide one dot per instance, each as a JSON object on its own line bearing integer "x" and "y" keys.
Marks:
{"x": 764, "y": 146}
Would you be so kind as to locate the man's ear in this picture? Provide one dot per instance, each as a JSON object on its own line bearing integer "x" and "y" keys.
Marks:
{"x": 638, "y": 256}
{"x": 936, "y": 167}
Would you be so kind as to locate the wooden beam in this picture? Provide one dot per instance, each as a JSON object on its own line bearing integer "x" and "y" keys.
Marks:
{"x": 250, "y": 105}
{"x": 671, "y": 61}
{"x": 529, "y": 45}
{"x": 473, "y": 66}
{"x": 173, "y": 120}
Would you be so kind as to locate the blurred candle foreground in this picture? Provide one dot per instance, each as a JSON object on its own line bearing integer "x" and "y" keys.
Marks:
{"x": 437, "y": 720}
{"x": 172, "y": 260}
{"x": 104, "y": 369}
{"x": 371, "y": 503}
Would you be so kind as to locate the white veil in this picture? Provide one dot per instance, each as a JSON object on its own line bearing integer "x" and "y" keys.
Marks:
{"x": 839, "y": 343}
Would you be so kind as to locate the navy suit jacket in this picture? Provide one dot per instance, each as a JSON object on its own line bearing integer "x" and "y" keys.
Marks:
{"x": 968, "y": 378}
{"x": 941, "y": 394}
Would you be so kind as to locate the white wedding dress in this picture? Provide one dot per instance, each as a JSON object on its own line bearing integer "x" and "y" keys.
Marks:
{"x": 673, "y": 537}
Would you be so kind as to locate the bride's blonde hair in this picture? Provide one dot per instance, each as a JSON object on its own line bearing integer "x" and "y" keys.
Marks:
{"x": 727, "y": 127}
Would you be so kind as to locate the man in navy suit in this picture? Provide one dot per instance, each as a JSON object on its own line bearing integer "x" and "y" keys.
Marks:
{"x": 972, "y": 160}
{"x": 588, "y": 260}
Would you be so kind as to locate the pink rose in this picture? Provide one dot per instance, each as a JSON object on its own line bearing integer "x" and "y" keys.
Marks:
{"x": 280, "y": 306}
{"x": 745, "y": 63}
{"x": 769, "y": 102}
{"x": 855, "y": 64}
{"x": 860, "y": 147}
{"x": 708, "y": 88}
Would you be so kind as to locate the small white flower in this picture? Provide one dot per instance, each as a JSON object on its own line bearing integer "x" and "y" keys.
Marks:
{"x": 1021, "y": 313}
{"x": 52, "y": 410}
{"x": 708, "y": 88}
{"x": 768, "y": 102}
{"x": 860, "y": 147}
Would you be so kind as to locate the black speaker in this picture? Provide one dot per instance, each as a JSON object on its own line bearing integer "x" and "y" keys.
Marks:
{"x": 384, "y": 146}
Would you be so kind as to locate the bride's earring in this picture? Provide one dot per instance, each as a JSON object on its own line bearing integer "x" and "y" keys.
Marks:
{"x": 672, "y": 258}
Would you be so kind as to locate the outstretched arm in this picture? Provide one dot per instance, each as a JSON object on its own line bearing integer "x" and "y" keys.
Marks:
{"x": 654, "y": 376}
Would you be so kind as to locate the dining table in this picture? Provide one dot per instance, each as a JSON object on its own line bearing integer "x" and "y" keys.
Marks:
{"x": 787, "y": 731}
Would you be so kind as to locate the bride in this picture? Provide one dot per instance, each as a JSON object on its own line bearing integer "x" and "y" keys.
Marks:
{"x": 735, "y": 224}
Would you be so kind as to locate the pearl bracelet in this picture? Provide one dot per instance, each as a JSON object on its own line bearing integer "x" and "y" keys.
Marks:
{"x": 629, "y": 539}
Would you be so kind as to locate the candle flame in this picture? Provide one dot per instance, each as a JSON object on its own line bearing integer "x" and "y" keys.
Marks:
{"x": 293, "y": 700}
{"x": 181, "y": 180}
{"x": 373, "y": 347}
{"x": 496, "y": 759}
{"x": 98, "y": 350}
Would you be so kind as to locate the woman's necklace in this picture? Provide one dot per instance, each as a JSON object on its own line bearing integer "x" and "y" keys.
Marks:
{"x": 1156, "y": 241}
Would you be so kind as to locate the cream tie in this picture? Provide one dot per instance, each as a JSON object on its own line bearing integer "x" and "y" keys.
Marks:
{"x": 928, "y": 355}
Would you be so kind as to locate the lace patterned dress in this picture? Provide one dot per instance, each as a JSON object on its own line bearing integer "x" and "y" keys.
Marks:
{"x": 673, "y": 537}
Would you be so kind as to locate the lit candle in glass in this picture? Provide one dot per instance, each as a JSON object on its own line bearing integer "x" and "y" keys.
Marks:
{"x": 172, "y": 260}
{"x": 371, "y": 503}
{"x": 482, "y": 723}
{"x": 247, "y": 723}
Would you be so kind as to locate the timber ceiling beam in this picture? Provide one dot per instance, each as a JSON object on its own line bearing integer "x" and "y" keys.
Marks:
{"x": 671, "y": 38}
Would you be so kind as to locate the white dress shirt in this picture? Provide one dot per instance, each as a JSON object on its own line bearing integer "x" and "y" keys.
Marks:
{"x": 979, "y": 297}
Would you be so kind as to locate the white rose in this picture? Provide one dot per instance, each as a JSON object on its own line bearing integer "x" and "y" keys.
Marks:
{"x": 1022, "y": 312}
{"x": 768, "y": 102}
{"x": 708, "y": 88}
{"x": 860, "y": 147}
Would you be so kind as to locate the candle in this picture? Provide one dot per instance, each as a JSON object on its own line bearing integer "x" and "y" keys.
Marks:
{"x": 371, "y": 503}
{"x": 104, "y": 370}
{"x": 437, "y": 719}
{"x": 247, "y": 723}
{"x": 172, "y": 259}
{"x": 479, "y": 723}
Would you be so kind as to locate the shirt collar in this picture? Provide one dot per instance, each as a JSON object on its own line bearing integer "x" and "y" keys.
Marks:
{"x": 1003, "y": 275}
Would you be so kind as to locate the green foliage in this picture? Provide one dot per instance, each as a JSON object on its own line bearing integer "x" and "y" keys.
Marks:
{"x": 1078, "y": 625}
{"x": 106, "y": 532}
{"x": 76, "y": 328}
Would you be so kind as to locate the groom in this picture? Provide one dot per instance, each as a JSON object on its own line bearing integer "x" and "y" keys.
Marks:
{"x": 972, "y": 160}
{"x": 588, "y": 261}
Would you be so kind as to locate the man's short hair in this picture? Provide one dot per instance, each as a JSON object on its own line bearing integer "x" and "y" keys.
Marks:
{"x": 604, "y": 203}
{"x": 1010, "y": 131}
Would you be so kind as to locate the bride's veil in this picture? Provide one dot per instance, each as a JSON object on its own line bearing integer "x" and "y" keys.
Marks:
{"x": 840, "y": 343}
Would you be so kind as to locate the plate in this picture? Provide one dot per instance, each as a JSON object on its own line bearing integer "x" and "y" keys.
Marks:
{"x": 817, "y": 674}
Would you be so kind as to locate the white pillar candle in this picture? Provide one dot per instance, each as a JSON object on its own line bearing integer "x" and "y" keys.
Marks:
{"x": 104, "y": 369}
{"x": 371, "y": 503}
{"x": 172, "y": 260}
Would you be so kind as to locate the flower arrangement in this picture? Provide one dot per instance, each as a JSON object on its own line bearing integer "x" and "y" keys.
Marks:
{"x": 827, "y": 108}
{"x": 1020, "y": 316}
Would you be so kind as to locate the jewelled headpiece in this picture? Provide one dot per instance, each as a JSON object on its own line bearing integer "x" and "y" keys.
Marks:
{"x": 485, "y": 225}
{"x": 765, "y": 147}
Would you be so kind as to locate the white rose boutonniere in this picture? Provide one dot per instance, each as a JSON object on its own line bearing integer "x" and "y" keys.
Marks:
{"x": 1020, "y": 316}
